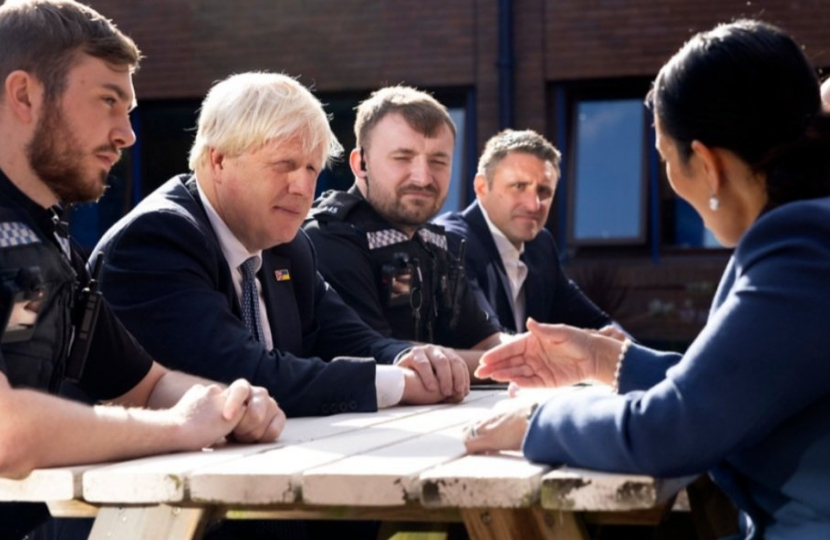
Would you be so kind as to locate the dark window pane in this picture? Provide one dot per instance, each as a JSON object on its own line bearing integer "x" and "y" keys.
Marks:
{"x": 166, "y": 135}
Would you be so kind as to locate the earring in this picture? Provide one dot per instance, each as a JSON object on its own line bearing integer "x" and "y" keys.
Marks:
{"x": 714, "y": 203}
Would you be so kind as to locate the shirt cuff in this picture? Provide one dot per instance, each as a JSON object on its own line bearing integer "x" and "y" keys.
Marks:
{"x": 389, "y": 383}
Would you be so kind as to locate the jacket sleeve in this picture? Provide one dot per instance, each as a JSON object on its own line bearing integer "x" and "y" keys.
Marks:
{"x": 742, "y": 379}
{"x": 474, "y": 262}
{"x": 347, "y": 267}
{"x": 162, "y": 276}
{"x": 570, "y": 305}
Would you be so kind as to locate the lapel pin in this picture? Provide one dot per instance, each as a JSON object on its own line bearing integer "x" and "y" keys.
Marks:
{"x": 282, "y": 275}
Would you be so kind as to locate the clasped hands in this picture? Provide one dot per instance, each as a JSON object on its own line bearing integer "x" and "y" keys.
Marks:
{"x": 208, "y": 413}
{"x": 433, "y": 374}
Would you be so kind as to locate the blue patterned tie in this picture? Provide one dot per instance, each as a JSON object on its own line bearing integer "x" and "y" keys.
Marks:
{"x": 250, "y": 298}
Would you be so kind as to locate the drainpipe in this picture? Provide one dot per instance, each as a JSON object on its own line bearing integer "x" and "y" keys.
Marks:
{"x": 505, "y": 64}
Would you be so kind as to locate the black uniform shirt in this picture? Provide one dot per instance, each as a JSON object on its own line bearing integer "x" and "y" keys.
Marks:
{"x": 361, "y": 255}
{"x": 115, "y": 363}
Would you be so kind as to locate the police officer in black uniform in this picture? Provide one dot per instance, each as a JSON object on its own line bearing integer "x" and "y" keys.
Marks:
{"x": 64, "y": 103}
{"x": 374, "y": 242}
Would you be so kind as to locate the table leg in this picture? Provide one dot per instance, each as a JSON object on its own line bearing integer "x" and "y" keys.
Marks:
{"x": 522, "y": 524}
{"x": 157, "y": 522}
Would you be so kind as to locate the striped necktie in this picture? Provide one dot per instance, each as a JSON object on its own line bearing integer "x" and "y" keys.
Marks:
{"x": 250, "y": 299}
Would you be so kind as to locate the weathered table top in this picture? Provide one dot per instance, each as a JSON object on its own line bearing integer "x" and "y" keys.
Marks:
{"x": 399, "y": 464}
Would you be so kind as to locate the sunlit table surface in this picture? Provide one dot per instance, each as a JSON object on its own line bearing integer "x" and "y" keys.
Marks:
{"x": 401, "y": 464}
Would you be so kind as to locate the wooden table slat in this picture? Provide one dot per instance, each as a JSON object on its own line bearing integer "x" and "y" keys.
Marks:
{"x": 579, "y": 489}
{"x": 281, "y": 470}
{"x": 157, "y": 479}
{"x": 166, "y": 478}
{"x": 58, "y": 484}
{"x": 495, "y": 481}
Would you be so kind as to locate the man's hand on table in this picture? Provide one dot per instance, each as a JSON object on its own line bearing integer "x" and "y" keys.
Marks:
{"x": 209, "y": 413}
{"x": 262, "y": 419}
{"x": 443, "y": 374}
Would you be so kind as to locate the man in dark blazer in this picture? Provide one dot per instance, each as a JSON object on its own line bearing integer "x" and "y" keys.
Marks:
{"x": 511, "y": 259}
{"x": 174, "y": 267}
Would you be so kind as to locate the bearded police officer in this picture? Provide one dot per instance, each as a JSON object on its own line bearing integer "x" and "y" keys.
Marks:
{"x": 375, "y": 243}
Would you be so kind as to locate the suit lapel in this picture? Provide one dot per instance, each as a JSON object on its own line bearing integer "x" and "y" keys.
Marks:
{"x": 280, "y": 302}
{"x": 193, "y": 204}
{"x": 536, "y": 301}
{"x": 479, "y": 224}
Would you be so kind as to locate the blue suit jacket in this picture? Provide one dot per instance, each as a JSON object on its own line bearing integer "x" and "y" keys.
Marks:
{"x": 550, "y": 296}
{"x": 750, "y": 399}
{"x": 167, "y": 279}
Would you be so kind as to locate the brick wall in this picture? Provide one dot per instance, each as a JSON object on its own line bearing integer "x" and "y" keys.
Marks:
{"x": 336, "y": 45}
{"x": 340, "y": 45}
{"x": 359, "y": 45}
{"x": 609, "y": 38}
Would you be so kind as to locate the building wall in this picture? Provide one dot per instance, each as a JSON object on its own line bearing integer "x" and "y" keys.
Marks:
{"x": 341, "y": 45}
{"x": 614, "y": 38}
{"x": 560, "y": 46}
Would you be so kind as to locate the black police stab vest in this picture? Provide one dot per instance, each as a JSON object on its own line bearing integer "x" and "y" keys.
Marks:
{"x": 38, "y": 362}
{"x": 422, "y": 313}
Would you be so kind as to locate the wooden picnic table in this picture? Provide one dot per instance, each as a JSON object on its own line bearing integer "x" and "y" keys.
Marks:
{"x": 400, "y": 464}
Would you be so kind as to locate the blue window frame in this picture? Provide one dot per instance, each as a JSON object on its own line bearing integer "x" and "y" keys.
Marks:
{"x": 613, "y": 194}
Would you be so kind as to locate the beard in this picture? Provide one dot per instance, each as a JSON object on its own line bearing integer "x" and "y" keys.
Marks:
{"x": 57, "y": 157}
{"x": 406, "y": 214}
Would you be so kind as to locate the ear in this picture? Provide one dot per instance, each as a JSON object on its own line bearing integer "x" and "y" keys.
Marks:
{"x": 216, "y": 161}
{"x": 23, "y": 95}
{"x": 480, "y": 186}
{"x": 711, "y": 160}
{"x": 357, "y": 163}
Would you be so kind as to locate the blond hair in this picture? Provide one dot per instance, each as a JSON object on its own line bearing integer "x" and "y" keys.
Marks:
{"x": 247, "y": 110}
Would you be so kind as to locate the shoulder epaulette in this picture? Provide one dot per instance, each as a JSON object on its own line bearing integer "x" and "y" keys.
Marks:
{"x": 333, "y": 205}
{"x": 16, "y": 233}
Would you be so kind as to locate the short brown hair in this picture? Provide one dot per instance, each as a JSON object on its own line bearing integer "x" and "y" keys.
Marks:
{"x": 421, "y": 111}
{"x": 43, "y": 37}
{"x": 526, "y": 142}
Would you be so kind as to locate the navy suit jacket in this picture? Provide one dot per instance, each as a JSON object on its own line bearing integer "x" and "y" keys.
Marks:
{"x": 750, "y": 399}
{"x": 550, "y": 297}
{"x": 166, "y": 278}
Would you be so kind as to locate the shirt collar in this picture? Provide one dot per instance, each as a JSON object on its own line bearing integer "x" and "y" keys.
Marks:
{"x": 235, "y": 252}
{"x": 505, "y": 246}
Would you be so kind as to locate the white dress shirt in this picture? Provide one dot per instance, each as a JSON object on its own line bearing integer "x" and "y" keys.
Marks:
{"x": 515, "y": 268}
{"x": 389, "y": 380}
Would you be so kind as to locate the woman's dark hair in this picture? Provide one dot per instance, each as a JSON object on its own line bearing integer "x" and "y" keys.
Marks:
{"x": 748, "y": 87}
